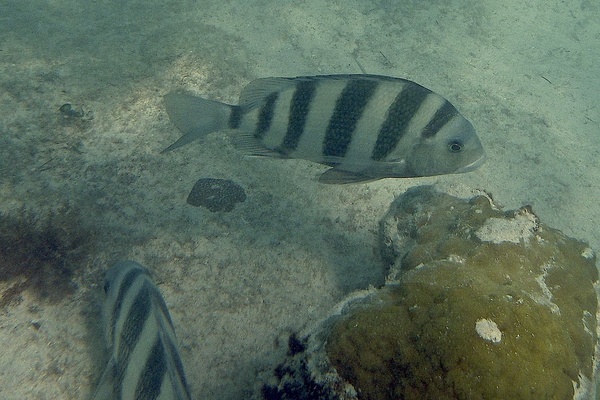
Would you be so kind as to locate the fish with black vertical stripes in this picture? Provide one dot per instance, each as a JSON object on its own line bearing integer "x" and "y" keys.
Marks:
{"x": 144, "y": 359}
{"x": 366, "y": 127}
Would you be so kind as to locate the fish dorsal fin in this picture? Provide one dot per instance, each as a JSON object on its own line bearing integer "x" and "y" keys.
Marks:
{"x": 255, "y": 93}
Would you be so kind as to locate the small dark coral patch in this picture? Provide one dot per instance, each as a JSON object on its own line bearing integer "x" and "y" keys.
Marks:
{"x": 40, "y": 255}
{"x": 216, "y": 194}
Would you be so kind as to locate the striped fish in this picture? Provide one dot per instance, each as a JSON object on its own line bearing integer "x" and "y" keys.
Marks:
{"x": 366, "y": 127}
{"x": 144, "y": 361}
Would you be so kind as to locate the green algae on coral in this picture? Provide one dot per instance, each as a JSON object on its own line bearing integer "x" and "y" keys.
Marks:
{"x": 455, "y": 262}
{"x": 480, "y": 303}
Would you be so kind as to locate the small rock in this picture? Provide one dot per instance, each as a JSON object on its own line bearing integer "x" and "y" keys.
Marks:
{"x": 488, "y": 330}
{"x": 216, "y": 194}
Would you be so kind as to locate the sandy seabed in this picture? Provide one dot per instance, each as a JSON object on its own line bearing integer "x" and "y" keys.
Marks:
{"x": 524, "y": 73}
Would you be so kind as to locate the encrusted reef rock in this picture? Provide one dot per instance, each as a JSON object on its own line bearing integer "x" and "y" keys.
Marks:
{"x": 480, "y": 304}
{"x": 216, "y": 194}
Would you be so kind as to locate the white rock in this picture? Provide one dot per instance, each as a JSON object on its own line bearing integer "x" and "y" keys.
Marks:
{"x": 488, "y": 330}
{"x": 516, "y": 229}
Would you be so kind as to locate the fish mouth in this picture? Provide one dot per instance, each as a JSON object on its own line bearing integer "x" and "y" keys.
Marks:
{"x": 472, "y": 166}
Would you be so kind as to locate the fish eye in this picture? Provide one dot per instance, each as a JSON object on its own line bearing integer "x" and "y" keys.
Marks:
{"x": 106, "y": 287}
{"x": 455, "y": 146}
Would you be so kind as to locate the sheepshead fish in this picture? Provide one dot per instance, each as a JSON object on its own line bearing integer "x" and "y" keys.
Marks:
{"x": 144, "y": 361}
{"x": 366, "y": 127}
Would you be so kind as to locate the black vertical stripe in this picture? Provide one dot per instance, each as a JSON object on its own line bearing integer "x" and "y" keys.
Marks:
{"x": 158, "y": 300}
{"x": 265, "y": 115}
{"x": 235, "y": 118}
{"x": 132, "y": 328}
{"x": 398, "y": 116}
{"x": 126, "y": 283}
{"x": 299, "y": 107}
{"x": 116, "y": 383}
{"x": 346, "y": 114}
{"x": 153, "y": 374}
{"x": 441, "y": 117}
{"x": 172, "y": 350}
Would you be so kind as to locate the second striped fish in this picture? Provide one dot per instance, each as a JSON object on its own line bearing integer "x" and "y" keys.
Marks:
{"x": 144, "y": 361}
{"x": 366, "y": 127}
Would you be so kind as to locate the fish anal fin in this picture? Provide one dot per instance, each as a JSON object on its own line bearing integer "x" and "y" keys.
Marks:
{"x": 336, "y": 176}
{"x": 251, "y": 146}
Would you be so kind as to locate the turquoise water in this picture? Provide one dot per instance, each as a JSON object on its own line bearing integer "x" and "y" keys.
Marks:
{"x": 83, "y": 188}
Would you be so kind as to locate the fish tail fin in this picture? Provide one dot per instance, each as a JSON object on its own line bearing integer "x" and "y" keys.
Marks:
{"x": 195, "y": 117}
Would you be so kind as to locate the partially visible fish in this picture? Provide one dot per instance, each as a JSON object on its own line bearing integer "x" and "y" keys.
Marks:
{"x": 144, "y": 360}
{"x": 366, "y": 127}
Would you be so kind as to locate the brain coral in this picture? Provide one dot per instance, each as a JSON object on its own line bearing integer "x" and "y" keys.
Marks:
{"x": 216, "y": 194}
{"x": 480, "y": 304}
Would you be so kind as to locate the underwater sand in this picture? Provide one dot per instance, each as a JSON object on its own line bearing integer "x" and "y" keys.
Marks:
{"x": 524, "y": 73}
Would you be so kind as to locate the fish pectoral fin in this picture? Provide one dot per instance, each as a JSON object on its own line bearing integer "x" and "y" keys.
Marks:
{"x": 251, "y": 146}
{"x": 337, "y": 177}
{"x": 105, "y": 389}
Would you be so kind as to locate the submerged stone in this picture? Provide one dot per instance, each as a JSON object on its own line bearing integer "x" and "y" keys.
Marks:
{"x": 216, "y": 194}
{"x": 481, "y": 303}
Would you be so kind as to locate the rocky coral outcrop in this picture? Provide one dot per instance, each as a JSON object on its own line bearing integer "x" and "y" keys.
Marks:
{"x": 480, "y": 303}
